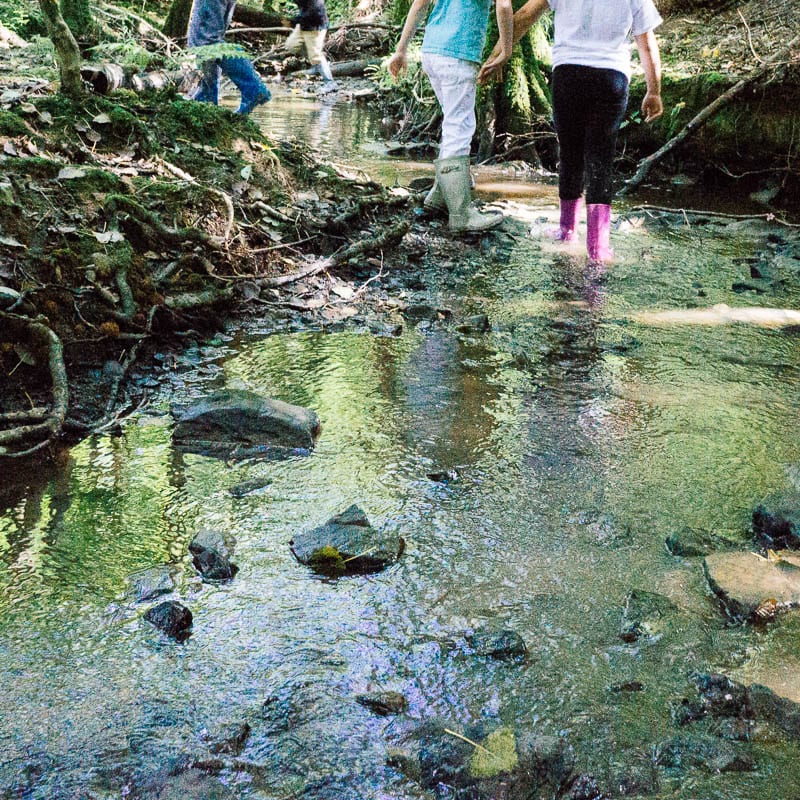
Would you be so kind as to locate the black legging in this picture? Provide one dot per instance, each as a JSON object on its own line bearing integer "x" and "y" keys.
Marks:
{"x": 588, "y": 106}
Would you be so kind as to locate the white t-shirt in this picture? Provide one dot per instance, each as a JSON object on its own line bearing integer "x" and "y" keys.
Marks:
{"x": 597, "y": 33}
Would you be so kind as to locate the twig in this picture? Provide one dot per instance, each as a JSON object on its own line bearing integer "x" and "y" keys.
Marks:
{"x": 749, "y": 37}
{"x": 699, "y": 213}
{"x": 468, "y": 741}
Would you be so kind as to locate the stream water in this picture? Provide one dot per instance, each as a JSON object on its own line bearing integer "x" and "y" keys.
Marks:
{"x": 582, "y": 434}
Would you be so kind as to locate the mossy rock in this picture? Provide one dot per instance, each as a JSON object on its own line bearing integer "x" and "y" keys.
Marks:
{"x": 12, "y": 125}
{"x": 327, "y": 560}
{"x": 497, "y": 754}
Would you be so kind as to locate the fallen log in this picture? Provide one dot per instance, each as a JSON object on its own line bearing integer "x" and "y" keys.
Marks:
{"x": 107, "y": 78}
{"x": 10, "y": 39}
{"x": 771, "y": 63}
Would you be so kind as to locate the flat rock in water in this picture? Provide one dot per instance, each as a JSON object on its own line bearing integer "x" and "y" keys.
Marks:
{"x": 150, "y": 583}
{"x": 347, "y": 544}
{"x": 776, "y": 522}
{"x": 171, "y": 618}
{"x": 704, "y": 752}
{"x": 503, "y": 645}
{"x": 238, "y": 418}
{"x": 745, "y": 581}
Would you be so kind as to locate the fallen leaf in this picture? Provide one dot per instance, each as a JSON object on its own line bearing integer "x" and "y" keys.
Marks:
{"x": 246, "y": 172}
{"x": 9, "y": 241}
{"x": 27, "y": 108}
{"x": 46, "y": 118}
{"x": 70, "y": 173}
{"x": 108, "y": 237}
{"x": 9, "y": 149}
{"x": 102, "y": 119}
{"x": 80, "y": 126}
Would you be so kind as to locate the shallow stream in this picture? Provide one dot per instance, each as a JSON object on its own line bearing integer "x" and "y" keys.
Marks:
{"x": 582, "y": 432}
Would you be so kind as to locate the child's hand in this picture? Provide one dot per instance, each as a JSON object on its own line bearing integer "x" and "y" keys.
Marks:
{"x": 493, "y": 66}
{"x": 397, "y": 64}
{"x": 652, "y": 107}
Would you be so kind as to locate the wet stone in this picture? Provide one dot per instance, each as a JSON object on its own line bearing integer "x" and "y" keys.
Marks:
{"x": 745, "y": 581}
{"x": 248, "y": 487}
{"x": 230, "y": 739}
{"x": 211, "y": 551}
{"x": 479, "y": 323}
{"x": 549, "y": 759}
{"x": 776, "y": 523}
{"x": 194, "y": 784}
{"x": 585, "y": 787}
{"x": 347, "y": 544}
{"x": 384, "y": 703}
{"x": 503, "y": 645}
{"x": 238, "y": 419}
{"x": 150, "y": 583}
{"x": 171, "y": 618}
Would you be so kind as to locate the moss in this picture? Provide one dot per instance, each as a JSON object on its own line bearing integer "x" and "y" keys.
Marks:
{"x": 12, "y": 125}
{"x": 327, "y": 560}
{"x": 96, "y": 180}
{"x": 34, "y": 167}
{"x": 497, "y": 754}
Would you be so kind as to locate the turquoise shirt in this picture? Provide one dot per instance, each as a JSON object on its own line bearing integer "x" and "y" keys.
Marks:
{"x": 457, "y": 28}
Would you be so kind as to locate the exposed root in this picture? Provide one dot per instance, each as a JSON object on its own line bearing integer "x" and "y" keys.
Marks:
{"x": 23, "y": 330}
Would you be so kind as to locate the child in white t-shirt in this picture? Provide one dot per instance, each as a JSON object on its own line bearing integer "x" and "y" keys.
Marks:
{"x": 591, "y": 70}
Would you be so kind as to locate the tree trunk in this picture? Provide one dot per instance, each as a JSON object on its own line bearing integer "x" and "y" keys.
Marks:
{"x": 510, "y": 107}
{"x": 177, "y": 21}
{"x": 67, "y": 53}
{"x": 78, "y": 17}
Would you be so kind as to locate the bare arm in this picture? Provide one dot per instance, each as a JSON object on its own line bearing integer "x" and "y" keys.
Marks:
{"x": 522, "y": 22}
{"x": 649, "y": 55}
{"x": 397, "y": 63}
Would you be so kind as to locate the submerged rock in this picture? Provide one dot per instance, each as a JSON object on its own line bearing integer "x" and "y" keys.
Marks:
{"x": 171, "y": 618}
{"x": 645, "y": 616}
{"x": 503, "y": 645}
{"x": 211, "y": 551}
{"x": 689, "y": 542}
{"x": 248, "y": 487}
{"x": 704, "y": 752}
{"x": 776, "y": 522}
{"x": 746, "y": 583}
{"x": 384, "y": 703}
{"x": 150, "y": 583}
{"x": 479, "y": 765}
{"x": 347, "y": 544}
{"x": 230, "y": 739}
{"x": 238, "y": 419}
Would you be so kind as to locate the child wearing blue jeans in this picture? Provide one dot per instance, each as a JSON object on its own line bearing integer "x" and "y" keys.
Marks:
{"x": 451, "y": 55}
{"x": 207, "y": 25}
{"x": 591, "y": 70}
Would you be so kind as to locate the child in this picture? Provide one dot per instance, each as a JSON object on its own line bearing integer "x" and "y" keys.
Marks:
{"x": 207, "y": 25}
{"x": 591, "y": 70}
{"x": 310, "y": 27}
{"x": 451, "y": 55}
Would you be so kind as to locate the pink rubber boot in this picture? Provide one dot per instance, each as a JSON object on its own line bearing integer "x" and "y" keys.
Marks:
{"x": 598, "y": 232}
{"x": 565, "y": 232}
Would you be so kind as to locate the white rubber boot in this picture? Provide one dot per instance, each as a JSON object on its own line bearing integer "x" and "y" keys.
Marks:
{"x": 434, "y": 201}
{"x": 453, "y": 179}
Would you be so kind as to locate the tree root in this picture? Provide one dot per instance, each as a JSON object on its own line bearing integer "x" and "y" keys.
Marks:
{"x": 27, "y": 331}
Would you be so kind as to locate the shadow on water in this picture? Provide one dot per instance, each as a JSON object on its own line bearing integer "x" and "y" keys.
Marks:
{"x": 580, "y": 436}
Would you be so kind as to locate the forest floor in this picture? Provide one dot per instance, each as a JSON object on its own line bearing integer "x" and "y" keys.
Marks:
{"x": 138, "y": 221}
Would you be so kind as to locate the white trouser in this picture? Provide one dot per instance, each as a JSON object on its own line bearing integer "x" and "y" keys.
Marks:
{"x": 454, "y": 82}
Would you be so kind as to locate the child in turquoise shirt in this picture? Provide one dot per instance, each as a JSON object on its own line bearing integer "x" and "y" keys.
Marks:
{"x": 451, "y": 53}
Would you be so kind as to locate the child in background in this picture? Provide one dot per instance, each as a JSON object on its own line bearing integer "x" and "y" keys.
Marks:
{"x": 207, "y": 25}
{"x": 591, "y": 70}
{"x": 451, "y": 54}
{"x": 310, "y": 28}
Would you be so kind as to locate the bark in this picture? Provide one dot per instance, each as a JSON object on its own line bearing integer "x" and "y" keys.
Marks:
{"x": 67, "y": 52}
{"x": 177, "y": 21}
{"x": 646, "y": 164}
{"x": 106, "y": 78}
